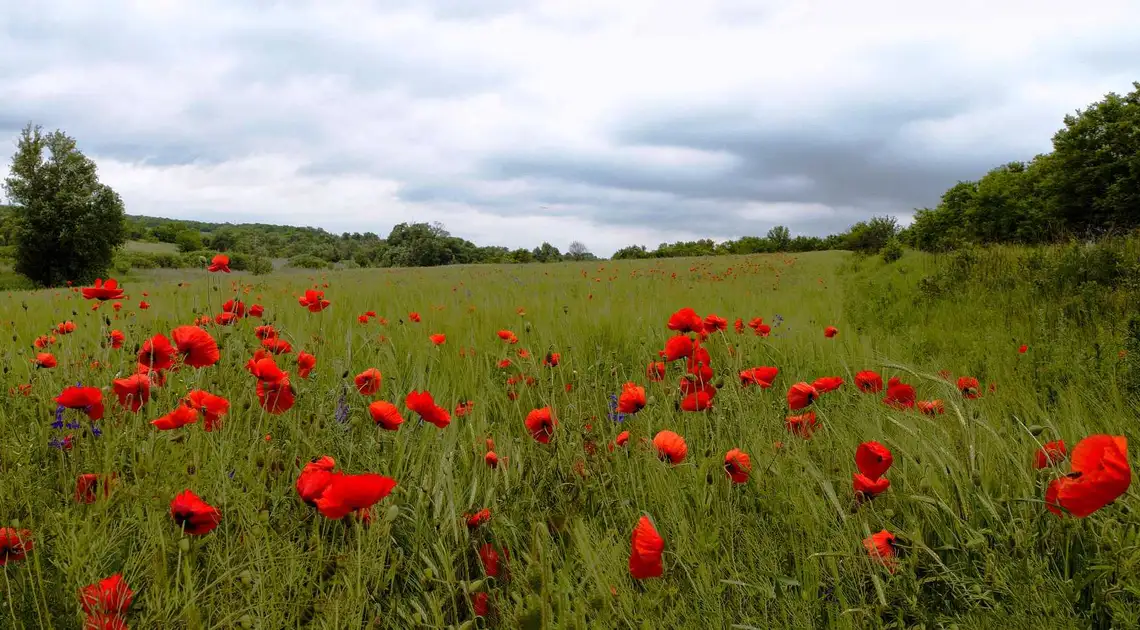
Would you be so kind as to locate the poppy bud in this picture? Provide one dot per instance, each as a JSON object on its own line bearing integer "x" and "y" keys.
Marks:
{"x": 74, "y": 314}
{"x": 184, "y": 544}
{"x": 1036, "y": 429}
{"x": 345, "y": 374}
{"x": 263, "y": 516}
{"x": 526, "y": 326}
{"x": 719, "y": 383}
{"x": 246, "y": 577}
{"x": 246, "y": 621}
{"x": 392, "y": 513}
{"x": 652, "y": 400}
{"x": 25, "y": 305}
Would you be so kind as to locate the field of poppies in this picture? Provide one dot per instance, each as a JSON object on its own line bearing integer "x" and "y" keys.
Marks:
{"x": 745, "y": 442}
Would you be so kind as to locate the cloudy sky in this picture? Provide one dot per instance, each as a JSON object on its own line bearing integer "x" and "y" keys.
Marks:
{"x": 518, "y": 121}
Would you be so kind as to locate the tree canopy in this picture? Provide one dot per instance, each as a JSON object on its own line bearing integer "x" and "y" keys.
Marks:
{"x": 64, "y": 223}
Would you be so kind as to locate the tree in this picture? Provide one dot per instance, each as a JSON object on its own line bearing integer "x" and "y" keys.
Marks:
{"x": 547, "y": 253}
{"x": 68, "y": 225}
{"x": 780, "y": 238}
{"x": 1097, "y": 172}
{"x": 578, "y": 251}
{"x": 188, "y": 241}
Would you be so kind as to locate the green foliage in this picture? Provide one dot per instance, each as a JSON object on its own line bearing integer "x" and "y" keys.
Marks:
{"x": 259, "y": 265}
{"x": 869, "y": 237}
{"x": 188, "y": 241}
{"x": 892, "y": 250}
{"x": 1089, "y": 186}
{"x": 67, "y": 224}
{"x": 305, "y": 261}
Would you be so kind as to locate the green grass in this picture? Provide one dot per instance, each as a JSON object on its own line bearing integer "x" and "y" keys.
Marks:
{"x": 151, "y": 248}
{"x": 979, "y": 549}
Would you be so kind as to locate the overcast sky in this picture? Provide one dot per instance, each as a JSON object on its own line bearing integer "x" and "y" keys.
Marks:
{"x": 518, "y": 121}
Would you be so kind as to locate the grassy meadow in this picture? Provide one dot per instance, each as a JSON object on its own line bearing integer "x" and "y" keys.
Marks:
{"x": 976, "y": 546}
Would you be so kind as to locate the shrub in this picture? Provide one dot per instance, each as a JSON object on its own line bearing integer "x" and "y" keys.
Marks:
{"x": 307, "y": 261}
{"x": 259, "y": 265}
{"x": 892, "y": 250}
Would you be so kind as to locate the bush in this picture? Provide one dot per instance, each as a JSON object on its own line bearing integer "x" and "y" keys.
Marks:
{"x": 260, "y": 265}
{"x": 892, "y": 250}
{"x": 307, "y": 261}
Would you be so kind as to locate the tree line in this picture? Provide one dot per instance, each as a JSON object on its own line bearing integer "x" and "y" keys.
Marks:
{"x": 1088, "y": 186}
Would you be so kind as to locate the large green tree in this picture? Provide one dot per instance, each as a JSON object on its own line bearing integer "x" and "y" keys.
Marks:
{"x": 68, "y": 225}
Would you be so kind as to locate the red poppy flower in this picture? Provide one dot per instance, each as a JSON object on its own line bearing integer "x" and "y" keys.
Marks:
{"x": 424, "y": 405}
{"x": 197, "y": 347}
{"x": 873, "y": 459}
{"x": 363, "y": 319}
{"x": 931, "y": 407}
{"x": 45, "y": 360}
{"x": 481, "y": 604}
{"x": 314, "y": 301}
{"x": 678, "y": 347}
{"x": 762, "y": 376}
{"x": 64, "y": 328}
{"x": 827, "y": 384}
{"x": 180, "y": 417}
{"x": 655, "y": 371}
{"x": 1049, "y": 454}
{"x": 760, "y": 327}
{"x": 102, "y": 621}
{"x": 415, "y": 317}
{"x": 256, "y": 310}
{"x": 225, "y": 319}
{"x": 438, "y": 339}
{"x": 87, "y": 488}
{"x": 14, "y": 544}
{"x": 464, "y": 408}
{"x": 621, "y": 440}
{"x": 157, "y": 353}
{"x": 237, "y": 307}
{"x": 645, "y": 549}
{"x": 276, "y": 397}
{"x": 220, "y": 262}
{"x": 210, "y": 406}
{"x": 899, "y": 394}
{"x": 144, "y": 305}
{"x": 803, "y": 425}
{"x": 264, "y": 368}
{"x": 111, "y": 596}
{"x": 385, "y": 415}
{"x": 632, "y": 399}
{"x": 481, "y": 517}
{"x": 193, "y": 515}
{"x": 540, "y": 423}
{"x": 314, "y": 478}
{"x": 670, "y": 447}
{"x": 116, "y": 337}
{"x": 44, "y": 341}
{"x": 830, "y": 332}
{"x": 305, "y": 364}
{"x": 347, "y": 493}
{"x": 104, "y": 291}
{"x": 801, "y": 395}
{"x": 133, "y": 391}
{"x": 1100, "y": 474}
{"x": 368, "y": 381}
{"x": 739, "y": 326}
{"x": 276, "y": 345}
{"x": 491, "y": 459}
{"x": 881, "y": 547}
{"x": 738, "y": 465}
{"x": 969, "y": 387}
{"x": 508, "y": 336}
{"x": 87, "y": 399}
{"x": 696, "y": 398}
{"x": 489, "y": 558}
{"x": 867, "y": 488}
{"x": 713, "y": 324}
{"x": 551, "y": 359}
{"x": 686, "y": 320}
{"x": 869, "y": 382}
